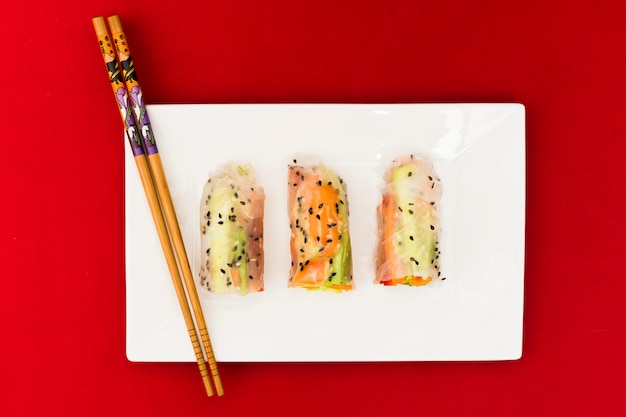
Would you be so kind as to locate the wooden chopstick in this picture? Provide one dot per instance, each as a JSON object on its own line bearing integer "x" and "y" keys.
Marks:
{"x": 132, "y": 132}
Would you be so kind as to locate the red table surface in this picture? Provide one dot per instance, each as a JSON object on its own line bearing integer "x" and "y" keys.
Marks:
{"x": 62, "y": 289}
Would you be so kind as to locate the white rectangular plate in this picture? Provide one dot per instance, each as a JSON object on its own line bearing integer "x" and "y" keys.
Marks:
{"x": 475, "y": 314}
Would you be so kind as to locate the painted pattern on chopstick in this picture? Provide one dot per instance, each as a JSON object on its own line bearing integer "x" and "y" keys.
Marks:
{"x": 117, "y": 83}
{"x": 136, "y": 95}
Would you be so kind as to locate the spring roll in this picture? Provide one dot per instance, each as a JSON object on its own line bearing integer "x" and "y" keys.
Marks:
{"x": 321, "y": 254}
{"x": 231, "y": 229}
{"x": 409, "y": 227}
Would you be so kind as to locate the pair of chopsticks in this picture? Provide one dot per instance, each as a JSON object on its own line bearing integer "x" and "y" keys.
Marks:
{"x": 138, "y": 130}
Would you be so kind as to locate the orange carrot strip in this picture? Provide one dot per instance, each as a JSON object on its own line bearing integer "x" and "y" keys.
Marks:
{"x": 391, "y": 257}
{"x": 312, "y": 274}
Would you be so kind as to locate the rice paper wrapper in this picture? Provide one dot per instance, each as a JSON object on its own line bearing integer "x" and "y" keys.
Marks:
{"x": 231, "y": 231}
{"x": 409, "y": 226}
{"x": 321, "y": 252}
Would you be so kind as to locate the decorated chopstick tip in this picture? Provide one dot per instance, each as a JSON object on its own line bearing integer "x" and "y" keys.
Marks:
{"x": 104, "y": 39}
{"x": 99, "y": 24}
{"x": 133, "y": 88}
{"x": 118, "y": 34}
{"x": 115, "y": 22}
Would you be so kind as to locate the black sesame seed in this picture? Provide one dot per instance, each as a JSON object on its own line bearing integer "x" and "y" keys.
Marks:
{"x": 330, "y": 183}
{"x": 307, "y": 262}
{"x": 432, "y": 227}
{"x": 208, "y": 251}
{"x": 310, "y": 210}
{"x": 236, "y": 195}
{"x": 329, "y": 241}
{"x": 330, "y": 261}
{"x": 305, "y": 240}
{"x": 400, "y": 208}
{"x": 295, "y": 161}
{"x": 208, "y": 223}
{"x": 250, "y": 276}
{"x": 320, "y": 206}
{"x": 443, "y": 279}
{"x": 339, "y": 238}
{"x": 220, "y": 222}
{"x": 319, "y": 183}
{"x": 318, "y": 238}
{"x": 302, "y": 250}
{"x": 411, "y": 238}
{"x": 223, "y": 272}
{"x": 318, "y": 217}
{"x": 333, "y": 274}
{"x": 234, "y": 248}
{"x": 208, "y": 214}
{"x": 256, "y": 239}
{"x": 410, "y": 174}
{"x": 295, "y": 185}
{"x": 430, "y": 178}
{"x": 219, "y": 215}
{"x": 410, "y": 211}
{"x": 322, "y": 249}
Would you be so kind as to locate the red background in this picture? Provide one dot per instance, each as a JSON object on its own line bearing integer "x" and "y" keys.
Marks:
{"x": 62, "y": 246}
